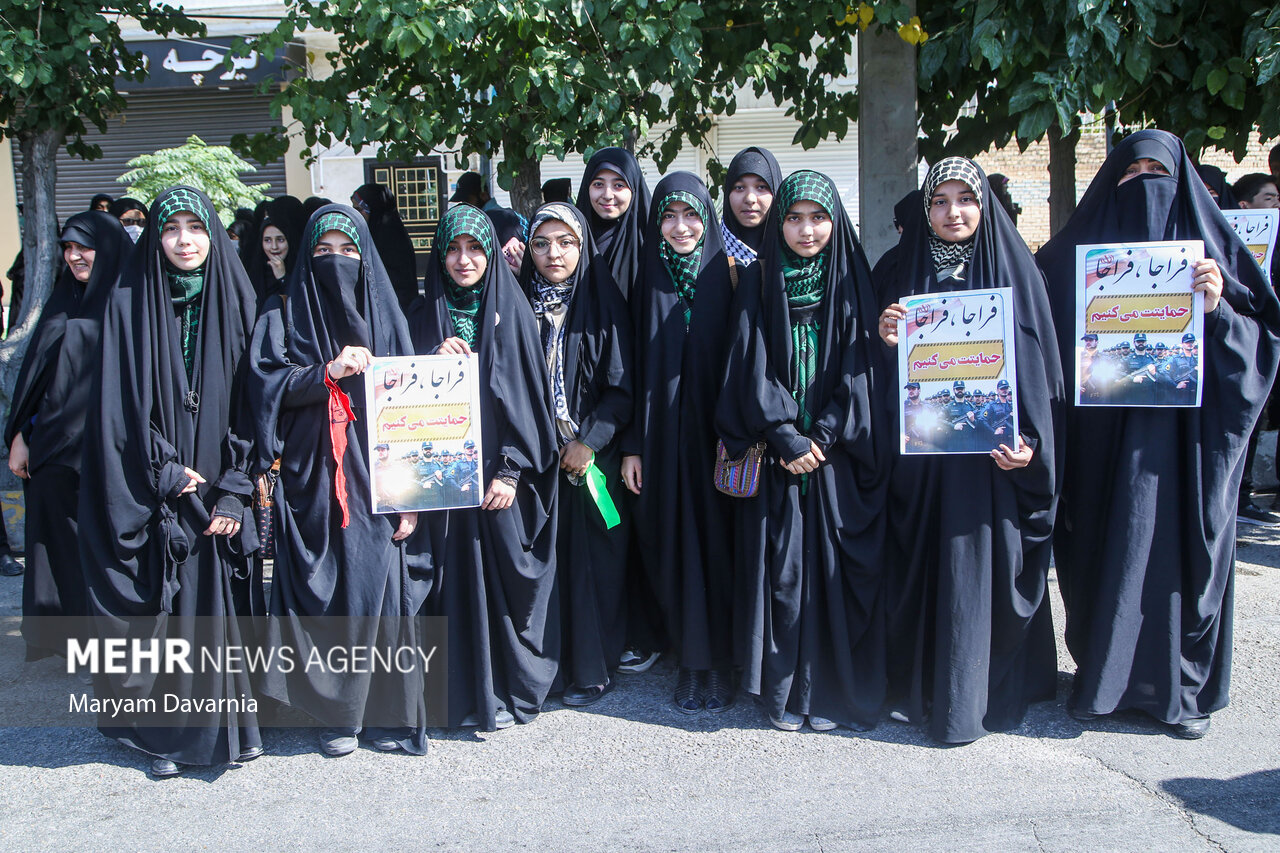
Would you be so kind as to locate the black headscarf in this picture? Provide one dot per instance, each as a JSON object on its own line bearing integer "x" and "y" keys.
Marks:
{"x": 394, "y": 245}
{"x": 679, "y": 372}
{"x": 286, "y": 214}
{"x": 331, "y": 302}
{"x": 1149, "y": 207}
{"x": 148, "y": 420}
{"x": 312, "y": 203}
{"x": 976, "y": 587}
{"x": 750, "y": 161}
{"x": 1216, "y": 180}
{"x": 830, "y": 522}
{"x": 619, "y": 240}
{"x": 57, "y": 371}
{"x": 506, "y": 225}
{"x": 884, "y": 274}
{"x": 124, "y": 203}
{"x": 1154, "y": 633}
{"x": 515, "y": 394}
{"x": 100, "y": 197}
{"x": 334, "y": 556}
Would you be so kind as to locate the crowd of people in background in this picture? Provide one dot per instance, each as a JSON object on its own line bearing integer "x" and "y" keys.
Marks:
{"x": 185, "y": 374}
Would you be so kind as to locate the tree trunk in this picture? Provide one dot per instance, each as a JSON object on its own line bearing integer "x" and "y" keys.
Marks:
{"x": 526, "y": 189}
{"x": 1062, "y": 176}
{"x": 40, "y": 255}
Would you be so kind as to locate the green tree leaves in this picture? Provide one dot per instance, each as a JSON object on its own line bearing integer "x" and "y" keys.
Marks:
{"x": 215, "y": 169}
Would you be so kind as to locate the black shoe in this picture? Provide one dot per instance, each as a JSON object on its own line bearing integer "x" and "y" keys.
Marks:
{"x": 580, "y": 697}
{"x": 9, "y": 567}
{"x": 251, "y": 753}
{"x": 637, "y": 660}
{"x": 1081, "y": 715}
{"x": 720, "y": 690}
{"x": 338, "y": 742}
{"x": 690, "y": 690}
{"x": 1192, "y": 729}
{"x": 162, "y": 767}
{"x": 1251, "y": 513}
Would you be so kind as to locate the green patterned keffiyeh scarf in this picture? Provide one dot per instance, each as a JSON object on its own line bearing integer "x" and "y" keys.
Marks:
{"x": 333, "y": 221}
{"x": 185, "y": 289}
{"x": 806, "y": 283}
{"x": 464, "y": 302}
{"x": 683, "y": 268}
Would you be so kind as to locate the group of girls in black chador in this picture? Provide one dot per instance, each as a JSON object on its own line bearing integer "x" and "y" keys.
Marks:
{"x": 639, "y": 332}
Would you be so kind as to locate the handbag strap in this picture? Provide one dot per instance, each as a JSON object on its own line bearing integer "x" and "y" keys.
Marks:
{"x": 733, "y": 272}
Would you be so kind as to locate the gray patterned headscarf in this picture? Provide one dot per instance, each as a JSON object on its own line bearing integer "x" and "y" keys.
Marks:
{"x": 950, "y": 258}
{"x": 549, "y": 298}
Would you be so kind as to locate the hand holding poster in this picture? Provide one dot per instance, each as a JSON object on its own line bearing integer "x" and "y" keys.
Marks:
{"x": 1257, "y": 228}
{"x": 955, "y": 351}
{"x": 424, "y": 433}
{"x": 1138, "y": 324}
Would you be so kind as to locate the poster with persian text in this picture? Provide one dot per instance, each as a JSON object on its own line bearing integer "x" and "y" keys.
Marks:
{"x": 1138, "y": 324}
{"x": 1257, "y": 229}
{"x": 424, "y": 432}
{"x": 956, "y": 361}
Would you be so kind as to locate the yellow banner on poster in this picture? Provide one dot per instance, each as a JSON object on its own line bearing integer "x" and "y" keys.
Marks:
{"x": 440, "y": 422}
{"x": 965, "y": 360}
{"x": 1126, "y": 314}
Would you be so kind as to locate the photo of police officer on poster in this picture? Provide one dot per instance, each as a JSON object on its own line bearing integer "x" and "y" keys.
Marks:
{"x": 424, "y": 433}
{"x": 1138, "y": 324}
{"x": 959, "y": 372}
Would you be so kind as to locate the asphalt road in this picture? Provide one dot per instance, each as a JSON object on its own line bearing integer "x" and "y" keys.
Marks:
{"x": 632, "y": 773}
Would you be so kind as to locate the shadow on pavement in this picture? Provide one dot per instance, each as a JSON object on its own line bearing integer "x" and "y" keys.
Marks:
{"x": 1248, "y": 802}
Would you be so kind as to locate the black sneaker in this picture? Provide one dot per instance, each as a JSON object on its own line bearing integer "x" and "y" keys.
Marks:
{"x": 637, "y": 660}
{"x": 1251, "y": 513}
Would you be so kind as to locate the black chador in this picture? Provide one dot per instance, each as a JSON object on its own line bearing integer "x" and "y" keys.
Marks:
{"x": 341, "y": 580}
{"x": 395, "y": 247}
{"x": 172, "y": 348}
{"x": 1145, "y": 545}
{"x": 496, "y": 567}
{"x": 680, "y": 304}
{"x": 50, "y": 405}
{"x": 970, "y": 629}
{"x": 802, "y": 369}
{"x": 587, "y": 340}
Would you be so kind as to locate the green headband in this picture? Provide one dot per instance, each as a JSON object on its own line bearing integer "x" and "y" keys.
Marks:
{"x": 178, "y": 200}
{"x": 806, "y": 185}
{"x": 688, "y": 198}
{"x": 334, "y": 221}
{"x": 465, "y": 219}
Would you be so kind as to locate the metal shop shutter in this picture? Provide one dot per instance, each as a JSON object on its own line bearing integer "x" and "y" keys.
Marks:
{"x": 157, "y": 120}
{"x": 773, "y": 129}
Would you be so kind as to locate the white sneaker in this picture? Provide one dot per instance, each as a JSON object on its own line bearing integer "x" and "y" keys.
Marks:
{"x": 822, "y": 724}
{"x": 788, "y": 722}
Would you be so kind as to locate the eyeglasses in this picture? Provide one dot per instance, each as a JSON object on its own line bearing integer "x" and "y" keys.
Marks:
{"x": 133, "y": 220}
{"x": 541, "y": 245}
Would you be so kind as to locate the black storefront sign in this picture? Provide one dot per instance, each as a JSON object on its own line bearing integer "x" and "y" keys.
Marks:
{"x": 204, "y": 64}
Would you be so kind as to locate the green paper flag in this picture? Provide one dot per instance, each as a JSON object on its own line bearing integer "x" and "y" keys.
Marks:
{"x": 596, "y": 485}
